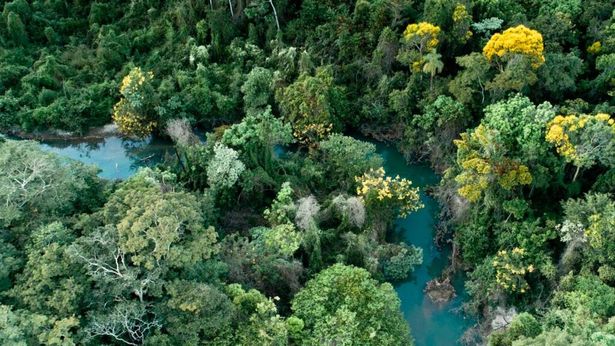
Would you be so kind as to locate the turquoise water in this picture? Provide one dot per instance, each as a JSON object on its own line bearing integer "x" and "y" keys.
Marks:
{"x": 116, "y": 157}
{"x": 431, "y": 324}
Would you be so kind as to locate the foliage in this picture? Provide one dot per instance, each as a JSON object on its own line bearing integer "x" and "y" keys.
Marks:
{"x": 396, "y": 193}
{"x": 583, "y": 140}
{"x": 346, "y": 158}
{"x": 510, "y": 270}
{"x": 467, "y": 86}
{"x": 257, "y": 90}
{"x": 516, "y": 40}
{"x": 342, "y": 304}
{"x": 481, "y": 166}
{"x": 36, "y": 184}
{"x": 224, "y": 169}
{"x": 422, "y": 36}
{"x": 130, "y": 113}
{"x": 312, "y": 101}
{"x": 589, "y": 221}
{"x": 282, "y": 208}
{"x": 402, "y": 262}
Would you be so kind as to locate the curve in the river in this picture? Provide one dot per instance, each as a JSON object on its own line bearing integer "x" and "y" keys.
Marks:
{"x": 431, "y": 324}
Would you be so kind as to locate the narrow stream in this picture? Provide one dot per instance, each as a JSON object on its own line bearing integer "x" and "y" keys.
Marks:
{"x": 431, "y": 324}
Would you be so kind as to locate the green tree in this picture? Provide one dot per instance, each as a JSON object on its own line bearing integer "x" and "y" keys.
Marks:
{"x": 471, "y": 80}
{"x": 313, "y": 101}
{"x": 16, "y": 29}
{"x": 257, "y": 90}
{"x": 588, "y": 229}
{"x": 283, "y": 208}
{"x": 196, "y": 312}
{"x": 346, "y": 158}
{"x": 344, "y": 305}
{"x": 51, "y": 281}
{"x": 224, "y": 168}
{"x": 432, "y": 132}
{"x": 433, "y": 64}
{"x": 35, "y": 184}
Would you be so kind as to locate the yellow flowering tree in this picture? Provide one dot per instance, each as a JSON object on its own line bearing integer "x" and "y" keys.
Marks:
{"x": 375, "y": 188}
{"x": 511, "y": 268}
{"x": 131, "y": 112}
{"x": 422, "y": 36}
{"x": 482, "y": 165}
{"x": 519, "y": 40}
{"x": 583, "y": 140}
{"x": 461, "y": 24}
{"x": 418, "y": 39}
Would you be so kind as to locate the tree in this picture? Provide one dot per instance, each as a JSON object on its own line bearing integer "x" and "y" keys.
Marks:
{"x": 21, "y": 327}
{"x": 51, "y": 282}
{"x": 422, "y": 36}
{"x": 399, "y": 260}
{"x": 257, "y": 90}
{"x": 511, "y": 268}
{"x": 344, "y": 305}
{"x": 259, "y": 321}
{"x": 588, "y": 229}
{"x": 16, "y": 29}
{"x": 312, "y": 104}
{"x": 196, "y": 312}
{"x": 386, "y": 193}
{"x": 126, "y": 322}
{"x": 37, "y": 184}
{"x": 433, "y": 64}
{"x": 482, "y": 164}
{"x": 472, "y": 79}
{"x": 147, "y": 228}
{"x": 583, "y": 140}
{"x": 581, "y": 308}
{"x": 520, "y": 131}
{"x": 559, "y": 74}
{"x": 224, "y": 169}
{"x": 346, "y": 157}
{"x": 432, "y": 132}
{"x": 132, "y": 113}
{"x": 283, "y": 208}
{"x": 418, "y": 39}
{"x": 514, "y": 41}
{"x": 281, "y": 241}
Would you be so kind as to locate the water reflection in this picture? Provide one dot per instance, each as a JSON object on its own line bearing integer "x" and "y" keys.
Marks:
{"x": 117, "y": 158}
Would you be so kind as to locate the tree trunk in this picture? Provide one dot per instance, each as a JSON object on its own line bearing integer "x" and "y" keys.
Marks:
{"x": 576, "y": 173}
{"x": 275, "y": 14}
{"x": 230, "y": 5}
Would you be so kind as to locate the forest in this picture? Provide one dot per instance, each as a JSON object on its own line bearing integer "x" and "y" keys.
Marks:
{"x": 271, "y": 222}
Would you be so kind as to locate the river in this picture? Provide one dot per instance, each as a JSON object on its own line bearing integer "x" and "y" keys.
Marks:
{"x": 431, "y": 324}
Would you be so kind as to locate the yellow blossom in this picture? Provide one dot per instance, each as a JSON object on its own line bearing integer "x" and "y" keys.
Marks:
{"x": 517, "y": 40}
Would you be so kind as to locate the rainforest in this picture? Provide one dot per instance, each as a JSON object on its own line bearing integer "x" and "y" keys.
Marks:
{"x": 310, "y": 172}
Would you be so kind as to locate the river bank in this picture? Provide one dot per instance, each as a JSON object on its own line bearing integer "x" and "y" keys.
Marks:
{"x": 95, "y": 133}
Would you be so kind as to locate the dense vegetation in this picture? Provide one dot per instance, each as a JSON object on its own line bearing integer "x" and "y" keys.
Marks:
{"x": 273, "y": 230}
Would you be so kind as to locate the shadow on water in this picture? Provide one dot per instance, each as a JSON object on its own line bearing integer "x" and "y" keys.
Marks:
{"x": 431, "y": 324}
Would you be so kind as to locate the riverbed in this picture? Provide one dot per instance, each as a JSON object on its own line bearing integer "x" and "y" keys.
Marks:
{"x": 431, "y": 324}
